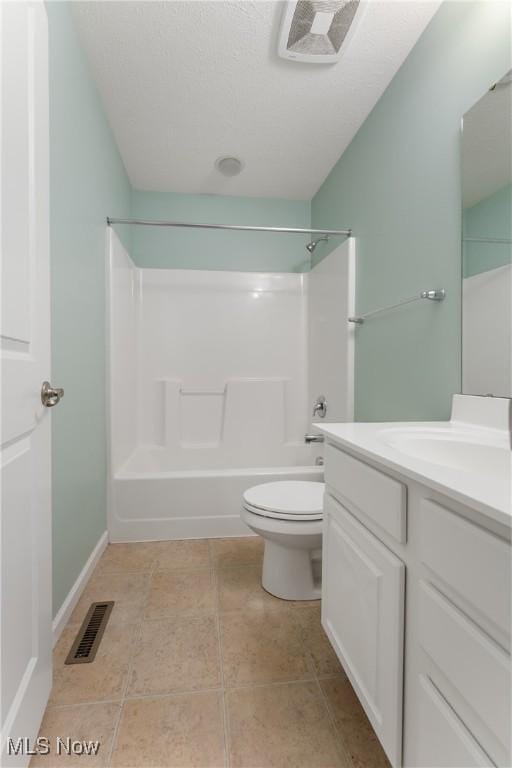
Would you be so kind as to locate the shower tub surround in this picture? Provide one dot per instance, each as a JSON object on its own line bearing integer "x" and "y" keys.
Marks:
{"x": 209, "y": 390}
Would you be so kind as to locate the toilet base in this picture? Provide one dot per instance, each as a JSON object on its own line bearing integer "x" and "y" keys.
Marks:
{"x": 291, "y": 574}
{"x": 292, "y": 559}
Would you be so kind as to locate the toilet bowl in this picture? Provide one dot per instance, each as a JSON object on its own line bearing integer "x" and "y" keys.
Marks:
{"x": 288, "y": 516}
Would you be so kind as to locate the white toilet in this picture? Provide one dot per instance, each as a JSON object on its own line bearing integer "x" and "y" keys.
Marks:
{"x": 288, "y": 515}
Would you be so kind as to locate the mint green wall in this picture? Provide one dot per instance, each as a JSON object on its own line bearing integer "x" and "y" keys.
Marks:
{"x": 87, "y": 181}
{"x": 398, "y": 186}
{"x": 491, "y": 217}
{"x": 208, "y": 249}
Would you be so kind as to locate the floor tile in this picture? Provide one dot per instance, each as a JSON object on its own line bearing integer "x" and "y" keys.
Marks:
{"x": 86, "y": 722}
{"x": 247, "y": 550}
{"x": 240, "y": 588}
{"x": 316, "y": 642}
{"x": 280, "y": 726}
{"x": 357, "y": 737}
{"x": 184, "y": 731}
{"x": 178, "y": 654}
{"x": 128, "y": 590}
{"x": 183, "y": 592}
{"x": 187, "y": 553}
{"x": 164, "y": 663}
{"x": 262, "y": 647}
{"x": 102, "y": 679}
{"x": 127, "y": 558}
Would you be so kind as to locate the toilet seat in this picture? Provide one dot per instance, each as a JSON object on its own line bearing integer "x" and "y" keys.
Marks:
{"x": 297, "y": 500}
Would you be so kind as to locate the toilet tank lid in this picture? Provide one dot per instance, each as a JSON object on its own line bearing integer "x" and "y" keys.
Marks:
{"x": 292, "y": 496}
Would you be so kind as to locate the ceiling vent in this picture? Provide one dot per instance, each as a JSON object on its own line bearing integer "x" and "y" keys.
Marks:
{"x": 317, "y": 31}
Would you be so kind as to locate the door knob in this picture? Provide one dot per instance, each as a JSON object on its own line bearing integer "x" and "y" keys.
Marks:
{"x": 50, "y": 396}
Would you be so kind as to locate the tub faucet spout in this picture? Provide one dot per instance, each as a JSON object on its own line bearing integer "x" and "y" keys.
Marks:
{"x": 313, "y": 438}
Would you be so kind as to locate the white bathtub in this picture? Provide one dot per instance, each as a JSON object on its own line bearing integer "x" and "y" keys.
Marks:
{"x": 152, "y": 499}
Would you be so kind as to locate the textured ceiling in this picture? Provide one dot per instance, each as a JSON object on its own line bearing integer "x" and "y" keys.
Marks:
{"x": 186, "y": 82}
{"x": 487, "y": 146}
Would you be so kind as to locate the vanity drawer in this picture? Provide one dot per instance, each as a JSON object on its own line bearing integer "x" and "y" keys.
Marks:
{"x": 473, "y": 562}
{"x": 475, "y": 671}
{"x": 442, "y": 738}
{"x": 363, "y": 488}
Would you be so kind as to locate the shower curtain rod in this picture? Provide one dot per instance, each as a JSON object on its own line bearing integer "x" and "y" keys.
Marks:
{"x": 238, "y": 227}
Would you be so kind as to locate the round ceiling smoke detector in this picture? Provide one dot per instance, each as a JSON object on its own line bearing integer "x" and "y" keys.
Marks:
{"x": 228, "y": 166}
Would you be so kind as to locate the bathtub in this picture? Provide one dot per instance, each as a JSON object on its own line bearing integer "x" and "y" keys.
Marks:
{"x": 155, "y": 496}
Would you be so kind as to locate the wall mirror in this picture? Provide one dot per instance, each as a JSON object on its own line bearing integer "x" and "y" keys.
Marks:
{"x": 487, "y": 243}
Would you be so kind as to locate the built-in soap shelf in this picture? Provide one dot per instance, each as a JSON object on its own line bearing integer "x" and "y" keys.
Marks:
{"x": 244, "y": 410}
{"x": 184, "y": 391}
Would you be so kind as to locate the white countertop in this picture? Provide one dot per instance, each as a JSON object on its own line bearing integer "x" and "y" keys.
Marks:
{"x": 488, "y": 493}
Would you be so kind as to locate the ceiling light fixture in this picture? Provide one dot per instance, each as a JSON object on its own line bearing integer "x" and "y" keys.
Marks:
{"x": 229, "y": 166}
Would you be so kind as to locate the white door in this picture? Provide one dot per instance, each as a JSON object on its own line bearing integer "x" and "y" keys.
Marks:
{"x": 25, "y": 522}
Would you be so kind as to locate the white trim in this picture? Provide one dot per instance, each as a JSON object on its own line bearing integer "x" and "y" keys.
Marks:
{"x": 64, "y": 612}
{"x": 109, "y": 236}
{"x": 351, "y": 343}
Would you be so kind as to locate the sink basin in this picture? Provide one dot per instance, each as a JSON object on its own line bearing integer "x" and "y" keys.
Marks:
{"x": 469, "y": 452}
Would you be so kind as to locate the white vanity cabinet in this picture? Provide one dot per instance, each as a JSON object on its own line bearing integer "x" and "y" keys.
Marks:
{"x": 431, "y": 666}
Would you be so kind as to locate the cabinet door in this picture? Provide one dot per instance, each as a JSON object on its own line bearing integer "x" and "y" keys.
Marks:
{"x": 363, "y": 615}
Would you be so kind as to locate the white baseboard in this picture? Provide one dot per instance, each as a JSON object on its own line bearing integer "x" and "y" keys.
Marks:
{"x": 66, "y": 609}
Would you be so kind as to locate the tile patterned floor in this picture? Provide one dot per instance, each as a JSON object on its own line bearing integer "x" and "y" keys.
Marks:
{"x": 201, "y": 668}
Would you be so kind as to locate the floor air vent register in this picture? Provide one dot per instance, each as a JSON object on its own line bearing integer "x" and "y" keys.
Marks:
{"x": 88, "y": 640}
